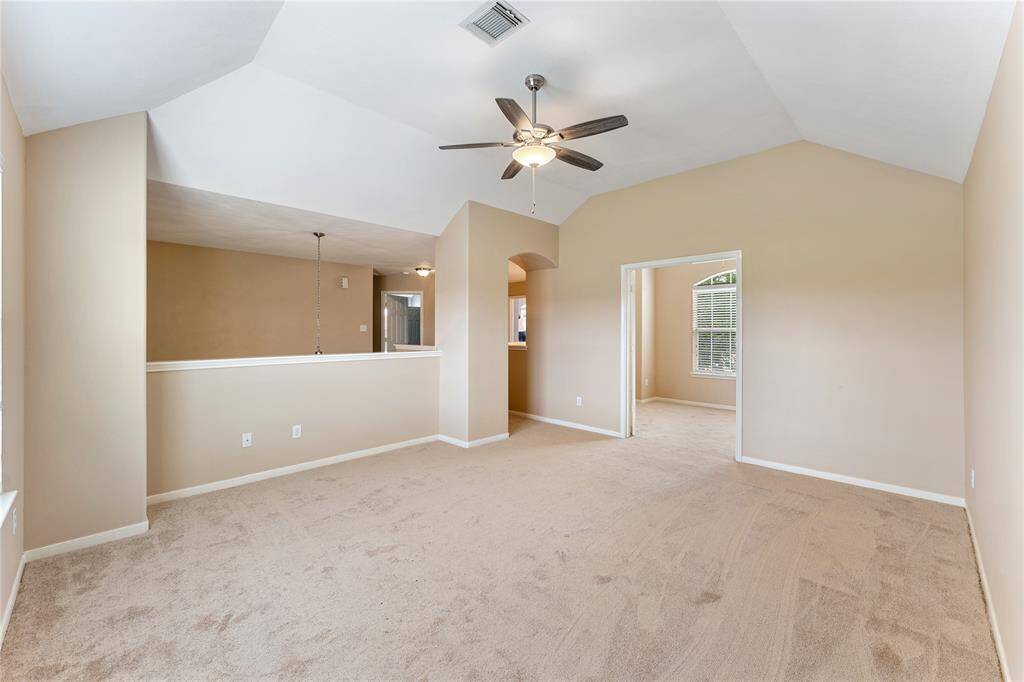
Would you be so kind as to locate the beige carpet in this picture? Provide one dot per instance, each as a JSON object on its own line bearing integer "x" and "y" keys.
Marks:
{"x": 556, "y": 554}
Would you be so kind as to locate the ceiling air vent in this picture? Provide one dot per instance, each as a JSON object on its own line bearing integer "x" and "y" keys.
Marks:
{"x": 494, "y": 22}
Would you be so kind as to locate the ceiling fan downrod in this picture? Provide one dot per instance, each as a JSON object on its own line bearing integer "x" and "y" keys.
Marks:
{"x": 535, "y": 82}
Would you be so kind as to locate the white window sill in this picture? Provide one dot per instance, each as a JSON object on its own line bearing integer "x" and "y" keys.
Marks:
{"x": 6, "y": 504}
{"x": 516, "y": 345}
{"x": 727, "y": 377}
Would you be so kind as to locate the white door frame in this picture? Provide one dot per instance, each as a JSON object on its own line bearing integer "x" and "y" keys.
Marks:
{"x": 383, "y": 315}
{"x": 627, "y": 337}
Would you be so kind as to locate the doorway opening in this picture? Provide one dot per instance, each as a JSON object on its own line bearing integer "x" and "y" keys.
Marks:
{"x": 518, "y": 358}
{"x": 401, "y": 319}
{"x": 682, "y": 335}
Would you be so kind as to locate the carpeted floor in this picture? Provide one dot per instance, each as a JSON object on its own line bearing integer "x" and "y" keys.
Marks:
{"x": 556, "y": 554}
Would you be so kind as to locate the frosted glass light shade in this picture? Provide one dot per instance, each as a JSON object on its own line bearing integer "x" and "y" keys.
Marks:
{"x": 533, "y": 155}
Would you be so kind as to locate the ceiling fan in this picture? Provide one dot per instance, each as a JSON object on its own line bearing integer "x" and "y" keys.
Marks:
{"x": 534, "y": 144}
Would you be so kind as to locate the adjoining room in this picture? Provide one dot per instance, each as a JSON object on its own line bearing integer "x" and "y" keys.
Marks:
{"x": 684, "y": 350}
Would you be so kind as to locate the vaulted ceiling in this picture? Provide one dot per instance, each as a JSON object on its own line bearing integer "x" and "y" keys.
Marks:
{"x": 338, "y": 108}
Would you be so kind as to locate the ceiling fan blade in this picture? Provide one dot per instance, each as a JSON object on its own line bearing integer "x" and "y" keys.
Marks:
{"x": 575, "y": 158}
{"x": 595, "y": 127}
{"x": 511, "y": 169}
{"x": 514, "y": 113}
{"x": 477, "y": 145}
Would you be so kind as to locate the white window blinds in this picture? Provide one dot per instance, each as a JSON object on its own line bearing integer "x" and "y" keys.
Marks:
{"x": 714, "y": 329}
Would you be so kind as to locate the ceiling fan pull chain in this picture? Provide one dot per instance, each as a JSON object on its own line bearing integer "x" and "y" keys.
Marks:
{"x": 533, "y": 189}
{"x": 316, "y": 302}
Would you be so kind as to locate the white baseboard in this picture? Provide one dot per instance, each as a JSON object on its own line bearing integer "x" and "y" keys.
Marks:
{"x": 87, "y": 541}
{"x": 996, "y": 635}
{"x": 9, "y": 608}
{"x": 568, "y": 425}
{"x": 714, "y": 406}
{"x": 283, "y": 471}
{"x": 646, "y": 400}
{"x": 862, "y": 482}
{"x": 473, "y": 443}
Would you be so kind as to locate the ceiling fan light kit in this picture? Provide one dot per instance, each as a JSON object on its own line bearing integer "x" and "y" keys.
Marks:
{"x": 533, "y": 144}
{"x": 534, "y": 154}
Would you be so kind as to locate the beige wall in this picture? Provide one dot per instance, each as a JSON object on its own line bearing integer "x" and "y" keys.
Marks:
{"x": 383, "y": 283}
{"x": 212, "y": 303}
{"x": 994, "y": 344}
{"x": 518, "y": 379}
{"x": 12, "y": 144}
{"x": 452, "y": 325}
{"x": 673, "y": 336}
{"x": 85, "y": 433}
{"x": 495, "y": 236}
{"x": 852, "y": 288}
{"x": 472, "y": 312}
{"x": 646, "y": 365}
{"x": 197, "y": 417}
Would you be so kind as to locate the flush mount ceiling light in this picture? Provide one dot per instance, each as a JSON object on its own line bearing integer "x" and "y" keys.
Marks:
{"x": 534, "y": 144}
{"x": 423, "y": 271}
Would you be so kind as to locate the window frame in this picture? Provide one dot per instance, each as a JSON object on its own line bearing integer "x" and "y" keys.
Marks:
{"x": 701, "y": 287}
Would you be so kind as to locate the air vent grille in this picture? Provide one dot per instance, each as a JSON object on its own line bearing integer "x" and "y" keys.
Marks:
{"x": 494, "y": 22}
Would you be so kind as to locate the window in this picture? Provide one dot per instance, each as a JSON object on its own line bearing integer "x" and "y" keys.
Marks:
{"x": 517, "y": 319}
{"x": 714, "y": 325}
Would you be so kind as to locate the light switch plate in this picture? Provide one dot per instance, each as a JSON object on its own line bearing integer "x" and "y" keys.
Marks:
{"x": 297, "y": 431}
{"x": 362, "y": 327}
{"x": 246, "y": 440}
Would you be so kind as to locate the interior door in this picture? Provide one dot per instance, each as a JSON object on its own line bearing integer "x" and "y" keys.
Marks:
{"x": 396, "y": 321}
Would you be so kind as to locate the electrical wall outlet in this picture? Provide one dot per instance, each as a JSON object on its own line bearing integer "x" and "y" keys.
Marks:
{"x": 246, "y": 440}
{"x": 972, "y": 478}
{"x": 297, "y": 431}
{"x": 343, "y": 283}
{"x": 362, "y": 327}
{"x": 647, "y": 382}
{"x": 579, "y": 401}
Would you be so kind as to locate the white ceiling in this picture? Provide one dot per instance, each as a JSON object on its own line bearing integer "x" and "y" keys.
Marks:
{"x": 71, "y": 62}
{"x": 342, "y": 108}
{"x": 902, "y": 82}
{"x": 189, "y": 216}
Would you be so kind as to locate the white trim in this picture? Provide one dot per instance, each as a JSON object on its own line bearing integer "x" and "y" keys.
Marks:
{"x": 996, "y": 635}
{"x": 568, "y": 425}
{"x": 181, "y": 365}
{"x": 9, "y": 609}
{"x": 699, "y": 375}
{"x": 627, "y": 359}
{"x": 87, "y": 541}
{"x": 861, "y": 482}
{"x": 646, "y": 400}
{"x": 383, "y": 317}
{"x": 7, "y": 504}
{"x": 473, "y": 443}
{"x": 693, "y": 403}
{"x": 511, "y": 320}
{"x": 283, "y": 471}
